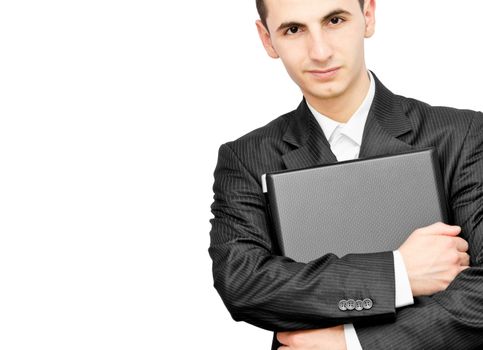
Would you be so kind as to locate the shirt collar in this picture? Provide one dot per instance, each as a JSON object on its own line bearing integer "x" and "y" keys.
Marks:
{"x": 354, "y": 128}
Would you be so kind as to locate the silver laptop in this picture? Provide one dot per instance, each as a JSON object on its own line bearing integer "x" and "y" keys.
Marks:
{"x": 359, "y": 206}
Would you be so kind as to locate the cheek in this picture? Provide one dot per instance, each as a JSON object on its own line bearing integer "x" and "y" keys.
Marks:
{"x": 293, "y": 60}
{"x": 293, "y": 66}
{"x": 351, "y": 49}
{"x": 291, "y": 51}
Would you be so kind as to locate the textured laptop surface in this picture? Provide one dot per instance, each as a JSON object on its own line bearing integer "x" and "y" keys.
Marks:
{"x": 359, "y": 206}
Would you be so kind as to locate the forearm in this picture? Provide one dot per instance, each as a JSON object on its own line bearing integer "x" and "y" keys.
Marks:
{"x": 450, "y": 320}
{"x": 275, "y": 293}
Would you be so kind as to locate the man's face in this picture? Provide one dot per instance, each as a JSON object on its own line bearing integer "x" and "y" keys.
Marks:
{"x": 320, "y": 42}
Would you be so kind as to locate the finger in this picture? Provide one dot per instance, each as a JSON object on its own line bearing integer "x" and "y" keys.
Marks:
{"x": 448, "y": 230}
{"x": 440, "y": 228}
{"x": 282, "y": 337}
{"x": 464, "y": 259}
{"x": 461, "y": 244}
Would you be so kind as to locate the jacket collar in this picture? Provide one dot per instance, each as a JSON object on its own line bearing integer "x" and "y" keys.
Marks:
{"x": 385, "y": 123}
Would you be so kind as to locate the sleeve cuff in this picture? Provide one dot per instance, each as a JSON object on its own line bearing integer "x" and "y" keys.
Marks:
{"x": 404, "y": 294}
{"x": 351, "y": 339}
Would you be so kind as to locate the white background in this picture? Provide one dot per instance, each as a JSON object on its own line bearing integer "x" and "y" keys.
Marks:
{"x": 111, "y": 115}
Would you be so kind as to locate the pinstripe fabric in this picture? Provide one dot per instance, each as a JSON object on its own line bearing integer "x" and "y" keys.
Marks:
{"x": 276, "y": 293}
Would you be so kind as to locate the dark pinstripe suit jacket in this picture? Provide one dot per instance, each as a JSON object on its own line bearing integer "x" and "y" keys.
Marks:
{"x": 276, "y": 293}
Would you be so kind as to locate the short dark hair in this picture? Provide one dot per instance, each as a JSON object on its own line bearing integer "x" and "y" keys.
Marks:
{"x": 262, "y": 10}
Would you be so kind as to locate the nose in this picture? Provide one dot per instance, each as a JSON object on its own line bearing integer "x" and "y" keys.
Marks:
{"x": 319, "y": 47}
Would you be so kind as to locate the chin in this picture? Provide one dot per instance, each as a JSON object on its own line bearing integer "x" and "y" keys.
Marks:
{"x": 327, "y": 92}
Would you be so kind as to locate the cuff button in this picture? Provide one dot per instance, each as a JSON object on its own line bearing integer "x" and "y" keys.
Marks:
{"x": 351, "y": 304}
{"x": 367, "y": 304}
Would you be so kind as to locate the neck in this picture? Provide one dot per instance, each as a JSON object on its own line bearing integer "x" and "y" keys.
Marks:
{"x": 341, "y": 107}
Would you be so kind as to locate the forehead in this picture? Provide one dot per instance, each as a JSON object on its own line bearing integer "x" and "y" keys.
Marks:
{"x": 303, "y": 11}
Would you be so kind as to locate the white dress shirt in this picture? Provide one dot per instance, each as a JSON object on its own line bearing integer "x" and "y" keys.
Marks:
{"x": 345, "y": 142}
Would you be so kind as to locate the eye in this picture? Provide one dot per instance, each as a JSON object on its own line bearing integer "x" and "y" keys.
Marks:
{"x": 292, "y": 30}
{"x": 336, "y": 20}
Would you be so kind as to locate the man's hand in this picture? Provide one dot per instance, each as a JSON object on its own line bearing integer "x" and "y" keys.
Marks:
{"x": 314, "y": 339}
{"x": 433, "y": 256}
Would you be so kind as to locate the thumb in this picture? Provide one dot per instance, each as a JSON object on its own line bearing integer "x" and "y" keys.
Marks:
{"x": 440, "y": 228}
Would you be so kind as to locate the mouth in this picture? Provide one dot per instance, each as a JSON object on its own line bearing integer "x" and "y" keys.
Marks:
{"x": 324, "y": 74}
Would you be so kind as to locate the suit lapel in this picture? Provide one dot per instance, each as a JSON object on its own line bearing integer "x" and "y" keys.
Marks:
{"x": 385, "y": 123}
{"x": 311, "y": 146}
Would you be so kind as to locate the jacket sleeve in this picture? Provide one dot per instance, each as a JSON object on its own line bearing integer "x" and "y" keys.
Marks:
{"x": 452, "y": 319}
{"x": 274, "y": 292}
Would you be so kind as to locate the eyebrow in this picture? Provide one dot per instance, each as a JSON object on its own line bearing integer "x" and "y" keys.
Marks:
{"x": 337, "y": 12}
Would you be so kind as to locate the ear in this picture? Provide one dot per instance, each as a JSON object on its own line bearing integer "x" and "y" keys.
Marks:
{"x": 370, "y": 17}
{"x": 266, "y": 40}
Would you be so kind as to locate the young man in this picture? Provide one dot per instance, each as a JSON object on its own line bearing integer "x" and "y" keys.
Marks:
{"x": 425, "y": 295}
